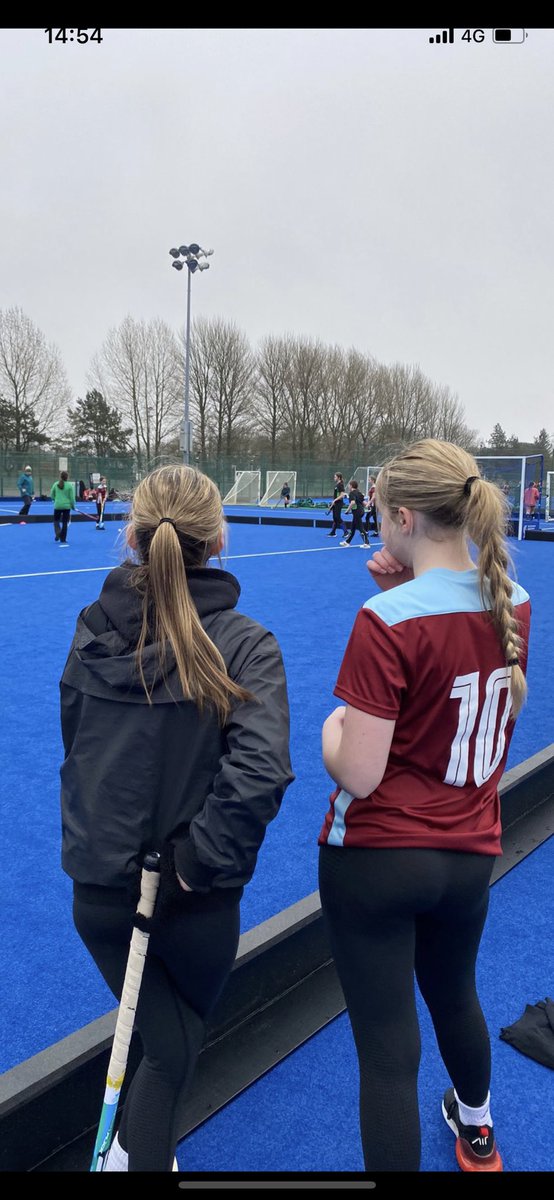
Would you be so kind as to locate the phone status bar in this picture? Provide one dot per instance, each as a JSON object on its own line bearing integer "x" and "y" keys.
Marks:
{"x": 503, "y": 37}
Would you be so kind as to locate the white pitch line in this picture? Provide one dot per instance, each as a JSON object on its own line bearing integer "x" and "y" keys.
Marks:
{"x": 228, "y": 558}
{"x": 75, "y": 571}
{"x": 309, "y": 550}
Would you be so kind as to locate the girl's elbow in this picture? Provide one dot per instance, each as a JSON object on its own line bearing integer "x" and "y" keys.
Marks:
{"x": 360, "y": 783}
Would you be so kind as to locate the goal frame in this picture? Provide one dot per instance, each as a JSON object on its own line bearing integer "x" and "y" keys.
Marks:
{"x": 274, "y": 481}
{"x": 362, "y": 474}
{"x": 232, "y": 496}
{"x": 532, "y": 467}
{"x": 549, "y": 494}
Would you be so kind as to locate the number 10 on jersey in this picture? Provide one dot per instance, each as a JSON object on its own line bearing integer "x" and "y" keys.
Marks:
{"x": 487, "y": 755}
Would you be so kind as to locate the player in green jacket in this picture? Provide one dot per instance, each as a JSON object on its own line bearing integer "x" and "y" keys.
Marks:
{"x": 63, "y": 497}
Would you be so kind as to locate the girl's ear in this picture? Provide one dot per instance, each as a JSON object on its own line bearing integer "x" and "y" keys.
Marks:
{"x": 217, "y": 546}
{"x": 131, "y": 539}
{"x": 406, "y": 520}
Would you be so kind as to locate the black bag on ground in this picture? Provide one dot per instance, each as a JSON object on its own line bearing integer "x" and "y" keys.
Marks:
{"x": 533, "y": 1034}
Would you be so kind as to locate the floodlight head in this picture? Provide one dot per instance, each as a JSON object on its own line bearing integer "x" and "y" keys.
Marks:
{"x": 192, "y": 265}
{"x": 174, "y": 253}
{"x": 194, "y": 248}
{"x": 183, "y": 250}
{"x": 208, "y": 252}
{"x": 178, "y": 266}
{"x": 203, "y": 266}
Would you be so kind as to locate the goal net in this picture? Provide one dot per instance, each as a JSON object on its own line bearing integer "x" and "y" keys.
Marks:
{"x": 363, "y": 475}
{"x": 246, "y": 488}
{"x": 514, "y": 475}
{"x": 275, "y": 481}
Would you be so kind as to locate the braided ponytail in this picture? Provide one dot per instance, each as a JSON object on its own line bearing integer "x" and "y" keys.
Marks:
{"x": 486, "y": 522}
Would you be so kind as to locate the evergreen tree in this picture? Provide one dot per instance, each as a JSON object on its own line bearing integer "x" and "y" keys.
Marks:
{"x": 498, "y": 440}
{"x": 18, "y": 430}
{"x": 96, "y": 428}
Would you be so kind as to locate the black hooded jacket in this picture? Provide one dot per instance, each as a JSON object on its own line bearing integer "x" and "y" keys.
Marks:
{"x": 137, "y": 776}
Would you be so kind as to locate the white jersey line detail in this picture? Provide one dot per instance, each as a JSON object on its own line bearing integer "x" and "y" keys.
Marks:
{"x": 228, "y": 558}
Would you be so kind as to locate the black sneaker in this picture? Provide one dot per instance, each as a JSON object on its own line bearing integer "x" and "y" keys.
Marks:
{"x": 475, "y": 1144}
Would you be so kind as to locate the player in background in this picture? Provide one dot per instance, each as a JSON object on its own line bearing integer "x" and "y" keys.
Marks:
{"x": 356, "y": 506}
{"x": 285, "y": 495}
{"x": 431, "y": 687}
{"x": 336, "y": 506}
{"x": 531, "y": 498}
{"x": 101, "y": 493}
{"x": 26, "y": 490}
{"x": 62, "y": 495}
{"x": 371, "y": 509}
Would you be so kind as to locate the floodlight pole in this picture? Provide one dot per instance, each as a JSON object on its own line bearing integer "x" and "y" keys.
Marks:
{"x": 187, "y": 431}
{"x": 191, "y": 255}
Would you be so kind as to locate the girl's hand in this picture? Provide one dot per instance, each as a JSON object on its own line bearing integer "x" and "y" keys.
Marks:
{"x": 387, "y": 571}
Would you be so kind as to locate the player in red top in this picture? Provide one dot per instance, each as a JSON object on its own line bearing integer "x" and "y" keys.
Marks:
{"x": 371, "y": 510}
{"x": 101, "y": 493}
{"x": 531, "y": 497}
{"x": 431, "y": 687}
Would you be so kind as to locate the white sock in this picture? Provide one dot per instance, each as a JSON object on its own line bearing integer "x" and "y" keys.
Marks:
{"x": 474, "y": 1116}
{"x": 116, "y": 1159}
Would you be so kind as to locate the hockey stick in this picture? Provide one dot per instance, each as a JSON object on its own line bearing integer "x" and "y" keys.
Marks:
{"x": 117, "y": 1066}
{"x": 89, "y": 516}
{"x": 100, "y": 521}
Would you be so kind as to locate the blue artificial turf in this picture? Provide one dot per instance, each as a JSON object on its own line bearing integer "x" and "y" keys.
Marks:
{"x": 297, "y": 582}
{"x": 303, "y": 1114}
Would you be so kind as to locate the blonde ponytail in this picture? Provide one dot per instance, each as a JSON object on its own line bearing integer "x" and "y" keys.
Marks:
{"x": 176, "y": 521}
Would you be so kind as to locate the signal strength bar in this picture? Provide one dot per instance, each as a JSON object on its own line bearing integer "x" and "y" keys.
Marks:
{"x": 447, "y": 35}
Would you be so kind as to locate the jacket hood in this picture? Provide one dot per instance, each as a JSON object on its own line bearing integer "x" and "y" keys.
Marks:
{"x": 108, "y": 631}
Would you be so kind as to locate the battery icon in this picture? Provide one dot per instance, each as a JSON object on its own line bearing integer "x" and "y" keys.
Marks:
{"x": 508, "y": 35}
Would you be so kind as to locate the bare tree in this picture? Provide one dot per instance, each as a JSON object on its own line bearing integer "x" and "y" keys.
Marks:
{"x": 356, "y": 405}
{"x": 404, "y": 395}
{"x": 334, "y": 417}
{"x": 202, "y": 367}
{"x": 32, "y": 379}
{"x": 231, "y": 385}
{"x": 413, "y": 407}
{"x": 447, "y": 420}
{"x": 302, "y": 395}
{"x": 273, "y": 361}
{"x": 139, "y": 372}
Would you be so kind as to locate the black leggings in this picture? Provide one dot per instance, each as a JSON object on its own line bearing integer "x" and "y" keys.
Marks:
{"x": 371, "y": 519}
{"x": 356, "y": 525}
{"x": 391, "y": 913}
{"x": 61, "y": 520}
{"x": 338, "y": 522}
{"x": 188, "y": 963}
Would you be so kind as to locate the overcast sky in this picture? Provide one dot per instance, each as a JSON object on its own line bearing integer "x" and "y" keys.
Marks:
{"x": 360, "y": 186}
